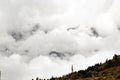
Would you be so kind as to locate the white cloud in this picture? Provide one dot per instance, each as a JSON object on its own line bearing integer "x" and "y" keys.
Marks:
{"x": 31, "y": 29}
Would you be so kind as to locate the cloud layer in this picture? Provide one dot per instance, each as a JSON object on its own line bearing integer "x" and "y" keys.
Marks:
{"x": 43, "y": 38}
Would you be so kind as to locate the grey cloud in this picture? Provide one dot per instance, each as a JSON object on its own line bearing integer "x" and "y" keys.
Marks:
{"x": 41, "y": 36}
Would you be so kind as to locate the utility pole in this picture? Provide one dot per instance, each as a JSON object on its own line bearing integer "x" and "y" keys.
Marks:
{"x": 71, "y": 68}
{"x": 0, "y": 75}
{"x": 72, "y": 77}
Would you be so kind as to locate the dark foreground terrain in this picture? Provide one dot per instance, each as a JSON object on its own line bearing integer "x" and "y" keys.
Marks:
{"x": 110, "y": 70}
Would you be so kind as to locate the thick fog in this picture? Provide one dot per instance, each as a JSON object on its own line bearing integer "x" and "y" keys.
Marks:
{"x": 43, "y": 38}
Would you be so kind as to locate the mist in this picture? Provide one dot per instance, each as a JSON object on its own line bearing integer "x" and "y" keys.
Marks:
{"x": 43, "y": 38}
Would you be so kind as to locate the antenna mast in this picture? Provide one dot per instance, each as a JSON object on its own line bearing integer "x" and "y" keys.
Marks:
{"x": 72, "y": 68}
{"x": 0, "y": 75}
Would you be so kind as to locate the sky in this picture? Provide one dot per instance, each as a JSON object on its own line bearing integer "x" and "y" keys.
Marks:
{"x": 43, "y": 38}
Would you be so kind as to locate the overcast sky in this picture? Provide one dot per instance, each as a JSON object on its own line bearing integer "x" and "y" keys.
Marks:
{"x": 43, "y": 38}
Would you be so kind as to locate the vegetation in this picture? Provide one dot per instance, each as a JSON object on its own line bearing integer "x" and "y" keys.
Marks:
{"x": 110, "y": 70}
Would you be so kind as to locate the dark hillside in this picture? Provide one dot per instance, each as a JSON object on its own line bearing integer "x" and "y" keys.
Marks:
{"x": 110, "y": 70}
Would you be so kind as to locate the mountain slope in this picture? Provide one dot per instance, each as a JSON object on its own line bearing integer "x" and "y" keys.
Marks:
{"x": 110, "y": 70}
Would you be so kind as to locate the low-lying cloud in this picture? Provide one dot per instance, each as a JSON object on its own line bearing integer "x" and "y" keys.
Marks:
{"x": 42, "y": 38}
